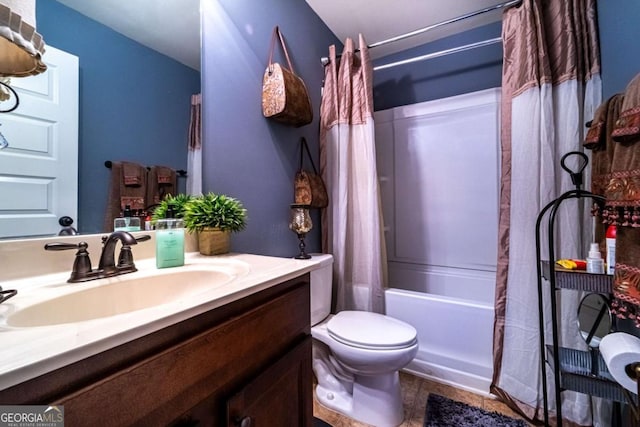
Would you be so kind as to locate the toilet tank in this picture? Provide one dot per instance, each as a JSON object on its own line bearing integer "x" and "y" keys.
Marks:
{"x": 321, "y": 281}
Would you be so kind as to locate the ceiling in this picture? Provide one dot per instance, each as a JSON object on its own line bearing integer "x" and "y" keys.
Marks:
{"x": 379, "y": 20}
{"x": 172, "y": 27}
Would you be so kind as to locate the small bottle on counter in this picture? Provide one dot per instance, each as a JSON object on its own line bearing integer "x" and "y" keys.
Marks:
{"x": 169, "y": 241}
{"x": 148, "y": 225}
{"x": 127, "y": 222}
{"x": 595, "y": 263}
{"x": 611, "y": 249}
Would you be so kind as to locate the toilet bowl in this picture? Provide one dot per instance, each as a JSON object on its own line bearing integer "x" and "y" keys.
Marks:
{"x": 357, "y": 356}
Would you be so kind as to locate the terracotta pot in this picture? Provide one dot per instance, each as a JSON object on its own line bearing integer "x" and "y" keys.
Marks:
{"x": 213, "y": 241}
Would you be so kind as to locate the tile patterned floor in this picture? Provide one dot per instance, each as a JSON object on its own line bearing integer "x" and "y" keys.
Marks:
{"x": 415, "y": 391}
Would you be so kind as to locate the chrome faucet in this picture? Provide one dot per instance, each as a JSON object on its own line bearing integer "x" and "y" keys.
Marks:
{"x": 107, "y": 266}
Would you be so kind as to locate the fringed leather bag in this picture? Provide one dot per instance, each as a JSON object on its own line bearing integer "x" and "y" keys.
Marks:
{"x": 284, "y": 95}
{"x": 309, "y": 188}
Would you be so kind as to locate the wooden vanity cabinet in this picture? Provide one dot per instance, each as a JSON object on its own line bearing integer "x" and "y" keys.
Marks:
{"x": 246, "y": 363}
{"x": 266, "y": 400}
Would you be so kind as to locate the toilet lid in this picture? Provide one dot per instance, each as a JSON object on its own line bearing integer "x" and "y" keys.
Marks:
{"x": 371, "y": 330}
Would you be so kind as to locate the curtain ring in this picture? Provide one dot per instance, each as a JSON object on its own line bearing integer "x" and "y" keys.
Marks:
{"x": 15, "y": 94}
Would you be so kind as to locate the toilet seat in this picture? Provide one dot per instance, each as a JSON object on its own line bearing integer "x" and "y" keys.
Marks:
{"x": 371, "y": 331}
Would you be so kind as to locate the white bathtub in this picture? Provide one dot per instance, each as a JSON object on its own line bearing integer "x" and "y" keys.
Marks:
{"x": 455, "y": 337}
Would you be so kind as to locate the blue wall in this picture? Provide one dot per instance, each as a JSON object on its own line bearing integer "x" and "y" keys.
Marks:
{"x": 245, "y": 155}
{"x": 619, "y": 48}
{"x": 454, "y": 74}
{"x": 134, "y": 103}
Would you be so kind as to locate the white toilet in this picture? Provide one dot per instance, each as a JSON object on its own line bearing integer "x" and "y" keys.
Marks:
{"x": 357, "y": 356}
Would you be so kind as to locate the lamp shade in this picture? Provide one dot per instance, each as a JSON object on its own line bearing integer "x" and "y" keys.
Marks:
{"x": 21, "y": 47}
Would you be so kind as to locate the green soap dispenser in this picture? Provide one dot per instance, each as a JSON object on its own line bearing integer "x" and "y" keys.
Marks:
{"x": 169, "y": 241}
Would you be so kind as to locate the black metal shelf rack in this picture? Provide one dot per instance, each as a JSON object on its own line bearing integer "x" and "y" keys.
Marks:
{"x": 576, "y": 370}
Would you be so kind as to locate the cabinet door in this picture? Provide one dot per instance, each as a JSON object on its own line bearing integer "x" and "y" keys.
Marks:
{"x": 281, "y": 396}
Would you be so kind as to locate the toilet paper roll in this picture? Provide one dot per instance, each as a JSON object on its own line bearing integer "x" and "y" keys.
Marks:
{"x": 618, "y": 351}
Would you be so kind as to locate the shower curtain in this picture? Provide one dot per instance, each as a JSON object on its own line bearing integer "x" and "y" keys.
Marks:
{"x": 550, "y": 87}
{"x": 352, "y": 228}
{"x": 194, "y": 157}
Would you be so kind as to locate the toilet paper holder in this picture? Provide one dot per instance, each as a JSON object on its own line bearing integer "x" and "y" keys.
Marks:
{"x": 633, "y": 371}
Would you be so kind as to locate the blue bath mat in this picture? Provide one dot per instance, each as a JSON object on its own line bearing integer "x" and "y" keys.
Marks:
{"x": 319, "y": 423}
{"x": 443, "y": 412}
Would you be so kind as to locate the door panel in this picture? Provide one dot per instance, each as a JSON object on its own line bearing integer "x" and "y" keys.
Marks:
{"x": 266, "y": 401}
{"x": 39, "y": 168}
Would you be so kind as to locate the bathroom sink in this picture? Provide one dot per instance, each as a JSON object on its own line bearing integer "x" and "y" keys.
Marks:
{"x": 122, "y": 294}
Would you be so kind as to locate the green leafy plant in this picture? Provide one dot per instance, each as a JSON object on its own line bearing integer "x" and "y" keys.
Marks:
{"x": 216, "y": 211}
{"x": 177, "y": 202}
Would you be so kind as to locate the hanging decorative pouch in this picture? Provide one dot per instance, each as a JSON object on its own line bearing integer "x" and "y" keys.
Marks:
{"x": 309, "y": 188}
{"x": 284, "y": 95}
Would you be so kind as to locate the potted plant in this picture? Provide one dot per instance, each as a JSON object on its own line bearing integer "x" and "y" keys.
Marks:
{"x": 177, "y": 203}
{"x": 214, "y": 217}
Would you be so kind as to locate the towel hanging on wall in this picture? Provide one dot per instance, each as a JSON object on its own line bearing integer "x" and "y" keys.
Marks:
{"x": 623, "y": 203}
{"x": 162, "y": 182}
{"x": 127, "y": 186}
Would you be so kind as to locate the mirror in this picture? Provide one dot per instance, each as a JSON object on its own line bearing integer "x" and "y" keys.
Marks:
{"x": 594, "y": 319}
{"x": 133, "y": 100}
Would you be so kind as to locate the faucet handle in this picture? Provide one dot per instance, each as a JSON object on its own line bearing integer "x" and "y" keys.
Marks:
{"x": 125, "y": 259}
{"x": 82, "y": 263}
{"x": 62, "y": 246}
{"x": 5, "y": 295}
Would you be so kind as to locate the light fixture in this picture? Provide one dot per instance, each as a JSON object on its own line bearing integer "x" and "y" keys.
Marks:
{"x": 21, "y": 48}
{"x": 300, "y": 223}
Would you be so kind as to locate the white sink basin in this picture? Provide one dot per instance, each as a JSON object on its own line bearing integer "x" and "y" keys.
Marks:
{"x": 123, "y": 294}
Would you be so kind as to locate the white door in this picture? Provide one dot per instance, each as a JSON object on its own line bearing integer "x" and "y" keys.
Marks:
{"x": 39, "y": 168}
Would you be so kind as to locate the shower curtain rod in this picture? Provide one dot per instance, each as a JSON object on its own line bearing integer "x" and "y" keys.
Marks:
{"x": 440, "y": 53}
{"x": 325, "y": 60}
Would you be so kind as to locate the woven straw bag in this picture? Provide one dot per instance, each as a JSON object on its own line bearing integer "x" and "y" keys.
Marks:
{"x": 284, "y": 95}
{"x": 309, "y": 188}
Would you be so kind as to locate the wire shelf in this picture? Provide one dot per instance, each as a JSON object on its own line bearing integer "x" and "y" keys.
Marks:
{"x": 579, "y": 280}
{"x": 577, "y": 373}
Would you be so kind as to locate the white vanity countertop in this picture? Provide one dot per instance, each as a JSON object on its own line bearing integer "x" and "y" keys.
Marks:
{"x": 28, "y": 352}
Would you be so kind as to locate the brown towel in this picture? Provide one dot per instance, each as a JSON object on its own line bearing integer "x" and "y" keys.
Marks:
{"x": 627, "y": 127}
{"x": 162, "y": 182}
{"x": 623, "y": 188}
{"x": 596, "y": 138}
{"x": 599, "y": 140}
{"x": 132, "y": 174}
{"x": 121, "y": 193}
{"x": 623, "y": 204}
{"x": 626, "y": 283}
